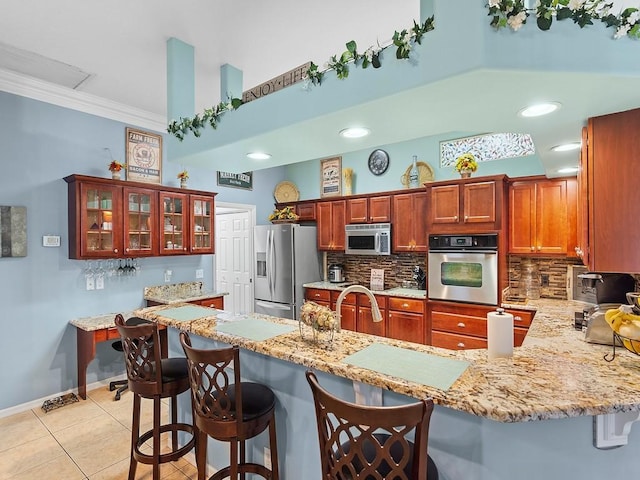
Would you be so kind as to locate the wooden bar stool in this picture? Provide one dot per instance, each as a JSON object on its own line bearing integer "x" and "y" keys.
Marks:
{"x": 122, "y": 386}
{"x": 363, "y": 442}
{"x": 150, "y": 376}
{"x": 228, "y": 410}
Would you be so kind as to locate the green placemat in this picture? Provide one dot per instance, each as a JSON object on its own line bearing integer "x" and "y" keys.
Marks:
{"x": 254, "y": 329}
{"x": 187, "y": 312}
{"x": 418, "y": 367}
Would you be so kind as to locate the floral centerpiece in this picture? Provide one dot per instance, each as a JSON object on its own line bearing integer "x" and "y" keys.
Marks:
{"x": 115, "y": 167}
{"x": 321, "y": 319}
{"x": 284, "y": 215}
{"x": 183, "y": 176}
{"x": 466, "y": 164}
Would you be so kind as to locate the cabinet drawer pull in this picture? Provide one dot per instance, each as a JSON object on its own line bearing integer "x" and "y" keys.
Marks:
{"x": 317, "y": 294}
{"x": 532, "y": 248}
{"x": 460, "y": 344}
{"x": 115, "y": 250}
{"x": 461, "y": 325}
{"x": 517, "y": 317}
{"x": 405, "y": 305}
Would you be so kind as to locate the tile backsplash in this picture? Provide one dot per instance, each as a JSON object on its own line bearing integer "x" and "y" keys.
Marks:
{"x": 397, "y": 267}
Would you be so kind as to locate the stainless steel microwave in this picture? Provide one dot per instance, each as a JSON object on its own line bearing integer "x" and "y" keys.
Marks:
{"x": 368, "y": 239}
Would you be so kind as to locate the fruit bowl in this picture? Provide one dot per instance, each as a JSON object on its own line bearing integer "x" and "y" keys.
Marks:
{"x": 633, "y": 298}
{"x": 630, "y": 344}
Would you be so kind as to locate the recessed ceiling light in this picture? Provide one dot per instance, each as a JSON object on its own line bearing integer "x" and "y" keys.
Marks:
{"x": 539, "y": 109}
{"x": 258, "y": 156}
{"x": 567, "y": 147}
{"x": 568, "y": 170}
{"x": 354, "y": 132}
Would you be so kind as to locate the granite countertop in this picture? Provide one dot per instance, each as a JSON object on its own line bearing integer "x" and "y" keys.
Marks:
{"x": 555, "y": 374}
{"x": 179, "y": 292}
{"x": 392, "y": 292}
{"x": 98, "y": 322}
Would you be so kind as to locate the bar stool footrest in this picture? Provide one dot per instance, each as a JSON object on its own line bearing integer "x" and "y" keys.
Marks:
{"x": 255, "y": 468}
{"x": 164, "y": 457}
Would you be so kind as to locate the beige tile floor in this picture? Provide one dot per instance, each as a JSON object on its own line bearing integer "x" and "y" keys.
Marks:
{"x": 87, "y": 440}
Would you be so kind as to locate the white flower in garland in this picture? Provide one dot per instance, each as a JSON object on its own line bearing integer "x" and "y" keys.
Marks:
{"x": 516, "y": 21}
{"x": 576, "y": 4}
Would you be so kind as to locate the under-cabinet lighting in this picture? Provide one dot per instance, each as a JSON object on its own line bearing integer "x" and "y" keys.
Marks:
{"x": 258, "y": 156}
{"x": 539, "y": 109}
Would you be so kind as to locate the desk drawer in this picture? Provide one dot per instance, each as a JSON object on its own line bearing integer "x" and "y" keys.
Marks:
{"x": 106, "y": 334}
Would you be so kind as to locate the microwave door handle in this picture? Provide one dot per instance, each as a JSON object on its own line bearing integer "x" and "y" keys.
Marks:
{"x": 377, "y": 242}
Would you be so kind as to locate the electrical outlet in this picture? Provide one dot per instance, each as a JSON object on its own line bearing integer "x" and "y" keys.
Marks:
{"x": 167, "y": 276}
{"x": 267, "y": 457}
{"x": 544, "y": 280}
{"x": 200, "y": 273}
{"x": 91, "y": 284}
{"x": 100, "y": 282}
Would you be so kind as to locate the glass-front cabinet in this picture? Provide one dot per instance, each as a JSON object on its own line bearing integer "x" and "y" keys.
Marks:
{"x": 100, "y": 234}
{"x": 202, "y": 224}
{"x": 116, "y": 219}
{"x": 174, "y": 223}
{"x": 140, "y": 222}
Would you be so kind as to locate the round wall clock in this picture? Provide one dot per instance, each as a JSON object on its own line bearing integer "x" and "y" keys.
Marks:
{"x": 378, "y": 162}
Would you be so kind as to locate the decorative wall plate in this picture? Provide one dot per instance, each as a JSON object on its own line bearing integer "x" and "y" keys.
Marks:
{"x": 378, "y": 162}
{"x": 286, "y": 192}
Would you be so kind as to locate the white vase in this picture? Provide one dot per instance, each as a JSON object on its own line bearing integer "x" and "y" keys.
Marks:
{"x": 115, "y": 175}
{"x": 183, "y": 183}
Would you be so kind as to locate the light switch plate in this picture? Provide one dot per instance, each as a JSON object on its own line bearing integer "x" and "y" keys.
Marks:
{"x": 51, "y": 240}
{"x": 199, "y": 273}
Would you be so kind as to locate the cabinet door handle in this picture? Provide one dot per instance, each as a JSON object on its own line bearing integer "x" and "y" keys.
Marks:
{"x": 466, "y": 217}
{"x": 539, "y": 248}
{"x": 455, "y": 217}
{"x": 461, "y": 344}
{"x": 115, "y": 250}
{"x": 532, "y": 248}
{"x": 461, "y": 325}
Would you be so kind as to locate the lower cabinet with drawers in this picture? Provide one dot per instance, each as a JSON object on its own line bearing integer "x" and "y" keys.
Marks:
{"x": 402, "y": 318}
{"x": 213, "y": 302}
{"x": 459, "y": 326}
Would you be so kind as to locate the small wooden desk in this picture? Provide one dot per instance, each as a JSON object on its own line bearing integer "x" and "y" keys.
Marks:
{"x": 92, "y": 330}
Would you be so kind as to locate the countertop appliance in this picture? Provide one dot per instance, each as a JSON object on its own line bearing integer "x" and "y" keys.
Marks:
{"x": 463, "y": 268}
{"x": 336, "y": 273}
{"x": 286, "y": 257}
{"x": 368, "y": 239}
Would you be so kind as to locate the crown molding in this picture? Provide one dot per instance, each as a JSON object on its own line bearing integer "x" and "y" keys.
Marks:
{"x": 40, "y": 90}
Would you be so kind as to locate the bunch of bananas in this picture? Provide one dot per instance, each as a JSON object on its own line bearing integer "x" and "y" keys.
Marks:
{"x": 625, "y": 323}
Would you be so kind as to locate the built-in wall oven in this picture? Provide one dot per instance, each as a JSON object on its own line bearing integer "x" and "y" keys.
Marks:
{"x": 463, "y": 268}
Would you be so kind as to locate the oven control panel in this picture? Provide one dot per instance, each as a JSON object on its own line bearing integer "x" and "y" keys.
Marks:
{"x": 463, "y": 242}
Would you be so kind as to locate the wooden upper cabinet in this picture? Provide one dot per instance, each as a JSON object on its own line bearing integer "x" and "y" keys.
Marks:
{"x": 114, "y": 219}
{"x": 306, "y": 211}
{"x": 408, "y": 230}
{"x": 613, "y": 182}
{"x": 541, "y": 217}
{"x": 466, "y": 205}
{"x": 582, "y": 220}
{"x": 331, "y": 221}
{"x": 375, "y": 209}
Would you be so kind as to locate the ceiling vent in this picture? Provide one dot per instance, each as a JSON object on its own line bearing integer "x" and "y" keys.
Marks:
{"x": 44, "y": 68}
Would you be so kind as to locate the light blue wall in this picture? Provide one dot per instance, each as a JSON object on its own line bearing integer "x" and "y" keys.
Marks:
{"x": 306, "y": 175}
{"x": 40, "y": 144}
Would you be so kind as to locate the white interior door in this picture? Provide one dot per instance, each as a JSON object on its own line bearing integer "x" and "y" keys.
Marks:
{"x": 234, "y": 258}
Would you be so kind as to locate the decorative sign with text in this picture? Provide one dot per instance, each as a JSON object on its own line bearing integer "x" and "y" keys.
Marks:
{"x": 278, "y": 83}
{"x": 144, "y": 156}
{"x": 377, "y": 279}
{"x": 236, "y": 180}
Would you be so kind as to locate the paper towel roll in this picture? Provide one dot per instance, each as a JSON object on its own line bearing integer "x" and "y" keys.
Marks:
{"x": 500, "y": 334}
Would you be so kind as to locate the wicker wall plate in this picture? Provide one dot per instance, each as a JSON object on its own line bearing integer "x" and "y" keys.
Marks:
{"x": 425, "y": 174}
{"x": 286, "y": 192}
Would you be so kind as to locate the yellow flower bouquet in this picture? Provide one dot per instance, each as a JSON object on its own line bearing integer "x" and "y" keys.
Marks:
{"x": 466, "y": 163}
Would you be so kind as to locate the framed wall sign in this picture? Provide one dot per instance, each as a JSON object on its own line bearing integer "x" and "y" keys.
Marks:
{"x": 144, "y": 156}
{"x": 331, "y": 177}
{"x": 236, "y": 180}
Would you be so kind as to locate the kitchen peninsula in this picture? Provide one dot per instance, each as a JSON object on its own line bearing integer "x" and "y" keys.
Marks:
{"x": 554, "y": 378}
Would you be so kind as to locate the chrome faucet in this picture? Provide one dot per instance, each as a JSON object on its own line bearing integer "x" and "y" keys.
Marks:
{"x": 375, "y": 310}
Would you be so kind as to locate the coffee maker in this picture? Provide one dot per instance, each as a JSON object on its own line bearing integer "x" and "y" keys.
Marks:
{"x": 610, "y": 292}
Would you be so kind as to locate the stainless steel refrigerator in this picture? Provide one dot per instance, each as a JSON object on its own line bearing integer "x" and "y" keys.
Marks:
{"x": 286, "y": 257}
